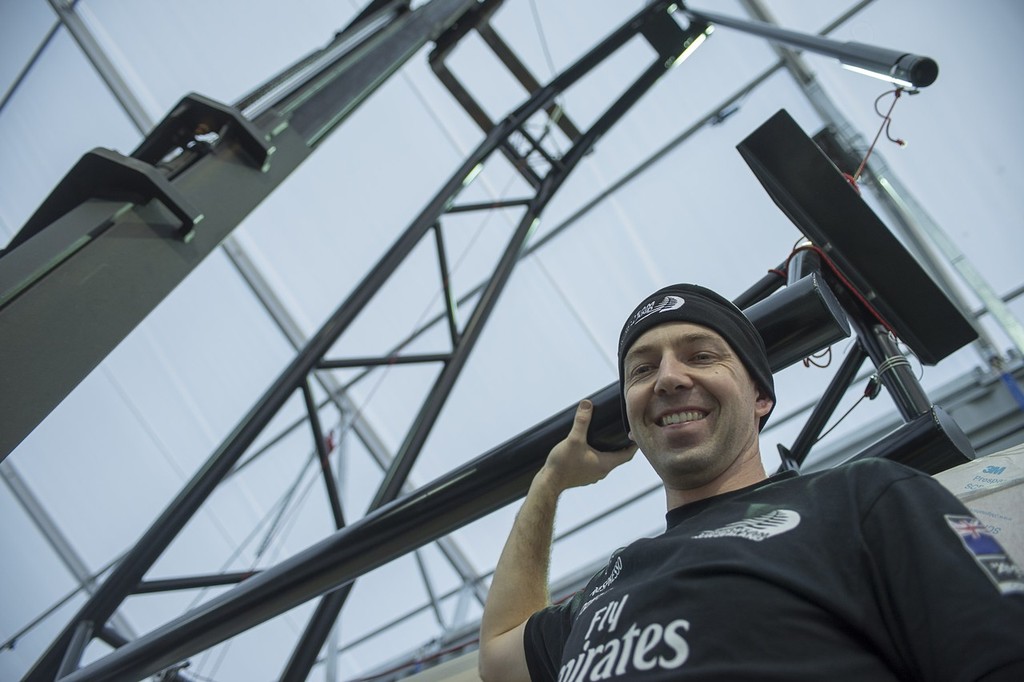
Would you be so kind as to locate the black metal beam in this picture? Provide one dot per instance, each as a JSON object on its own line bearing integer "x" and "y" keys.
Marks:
{"x": 73, "y": 288}
{"x": 385, "y": 361}
{"x": 760, "y": 290}
{"x": 354, "y": 550}
{"x": 456, "y": 499}
{"x": 116, "y": 262}
{"x": 893, "y": 368}
{"x": 330, "y": 483}
{"x": 318, "y": 628}
{"x": 805, "y": 315}
{"x": 80, "y": 638}
{"x": 658, "y": 27}
{"x": 670, "y": 41}
{"x": 467, "y": 493}
{"x": 824, "y": 409}
{"x": 653, "y": 21}
{"x": 192, "y": 582}
{"x": 930, "y": 442}
{"x": 809, "y": 189}
{"x": 450, "y": 307}
{"x": 913, "y": 70}
{"x": 140, "y": 266}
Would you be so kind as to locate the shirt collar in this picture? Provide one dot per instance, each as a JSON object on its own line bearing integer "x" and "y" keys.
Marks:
{"x": 676, "y": 516}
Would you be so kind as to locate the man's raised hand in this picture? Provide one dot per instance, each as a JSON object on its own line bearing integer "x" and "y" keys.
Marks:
{"x": 573, "y": 462}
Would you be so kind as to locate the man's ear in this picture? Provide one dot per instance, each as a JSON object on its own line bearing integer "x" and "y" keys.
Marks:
{"x": 629, "y": 435}
{"x": 764, "y": 403}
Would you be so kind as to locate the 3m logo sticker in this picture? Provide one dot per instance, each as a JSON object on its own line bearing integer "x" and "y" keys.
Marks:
{"x": 988, "y": 553}
{"x": 757, "y": 528}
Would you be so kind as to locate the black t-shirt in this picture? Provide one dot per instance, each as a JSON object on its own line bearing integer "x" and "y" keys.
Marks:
{"x": 870, "y": 571}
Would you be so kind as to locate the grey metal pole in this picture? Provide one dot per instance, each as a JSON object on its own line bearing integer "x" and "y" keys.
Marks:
{"x": 893, "y": 65}
{"x": 908, "y": 217}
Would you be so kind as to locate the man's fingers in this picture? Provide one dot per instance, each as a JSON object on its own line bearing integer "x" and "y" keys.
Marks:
{"x": 581, "y": 422}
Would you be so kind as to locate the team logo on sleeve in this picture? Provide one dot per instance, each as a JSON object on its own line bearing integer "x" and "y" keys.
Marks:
{"x": 988, "y": 553}
{"x": 616, "y": 570}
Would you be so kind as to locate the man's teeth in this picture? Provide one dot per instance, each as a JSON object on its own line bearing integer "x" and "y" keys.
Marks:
{"x": 680, "y": 417}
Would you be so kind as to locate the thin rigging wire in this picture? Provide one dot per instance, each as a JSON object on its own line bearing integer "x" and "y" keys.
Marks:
{"x": 30, "y": 64}
{"x": 12, "y": 641}
{"x": 574, "y": 311}
{"x": 543, "y": 38}
{"x": 438, "y": 295}
{"x": 279, "y": 519}
{"x": 559, "y": 101}
{"x": 533, "y": 7}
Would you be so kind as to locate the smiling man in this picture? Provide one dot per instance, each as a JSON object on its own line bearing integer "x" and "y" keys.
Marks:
{"x": 869, "y": 571}
{"x": 687, "y": 367}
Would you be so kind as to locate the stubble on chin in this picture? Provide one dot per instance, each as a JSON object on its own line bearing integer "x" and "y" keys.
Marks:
{"x": 689, "y": 469}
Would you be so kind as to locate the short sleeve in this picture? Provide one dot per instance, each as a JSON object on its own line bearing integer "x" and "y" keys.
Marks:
{"x": 952, "y": 598}
{"x": 544, "y": 640}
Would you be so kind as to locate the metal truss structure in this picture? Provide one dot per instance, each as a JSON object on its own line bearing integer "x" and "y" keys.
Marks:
{"x": 202, "y": 145}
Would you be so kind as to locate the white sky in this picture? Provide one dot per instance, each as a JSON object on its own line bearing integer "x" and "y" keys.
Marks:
{"x": 111, "y": 456}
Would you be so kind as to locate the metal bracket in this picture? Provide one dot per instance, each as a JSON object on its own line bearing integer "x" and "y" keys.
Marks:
{"x": 197, "y": 115}
{"x": 106, "y": 174}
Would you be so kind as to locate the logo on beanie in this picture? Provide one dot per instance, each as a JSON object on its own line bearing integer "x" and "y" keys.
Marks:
{"x": 668, "y": 303}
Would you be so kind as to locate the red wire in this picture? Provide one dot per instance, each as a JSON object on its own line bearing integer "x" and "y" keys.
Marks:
{"x": 885, "y": 126}
{"x": 849, "y": 285}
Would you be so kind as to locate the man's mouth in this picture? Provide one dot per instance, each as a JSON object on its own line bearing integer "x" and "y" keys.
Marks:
{"x": 681, "y": 417}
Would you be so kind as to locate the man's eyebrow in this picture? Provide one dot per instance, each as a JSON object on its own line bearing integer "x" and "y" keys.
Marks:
{"x": 637, "y": 350}
{"x": 715, "y": 339}
{"x": 688, "y": 338}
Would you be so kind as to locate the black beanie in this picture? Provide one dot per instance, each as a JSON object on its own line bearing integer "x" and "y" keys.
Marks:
{"x": 699, "y": 305}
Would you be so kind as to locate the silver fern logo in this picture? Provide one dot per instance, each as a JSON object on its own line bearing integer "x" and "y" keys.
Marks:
{"x": 757, "y": 528}
{"x": 670, "y": 302}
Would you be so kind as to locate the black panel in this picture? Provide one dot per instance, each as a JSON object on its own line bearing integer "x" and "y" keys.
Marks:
{"x": 809, "y": 189}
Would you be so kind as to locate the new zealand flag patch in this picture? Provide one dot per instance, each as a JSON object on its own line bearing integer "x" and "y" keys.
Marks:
{"x": 990, "y": 555}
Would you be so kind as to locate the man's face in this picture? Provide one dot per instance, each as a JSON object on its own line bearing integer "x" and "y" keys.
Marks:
{"x": 691, "y": 404}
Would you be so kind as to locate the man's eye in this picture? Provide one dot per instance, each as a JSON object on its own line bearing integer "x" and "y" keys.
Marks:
{"x": 640, "y": 370}
{"x": 703, "y": 357}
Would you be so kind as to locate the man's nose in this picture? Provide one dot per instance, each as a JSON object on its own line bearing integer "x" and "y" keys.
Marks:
{"x": 673, "y": 375}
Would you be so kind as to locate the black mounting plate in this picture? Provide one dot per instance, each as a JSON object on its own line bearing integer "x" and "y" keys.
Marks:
{"x": 820, "y": 201}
